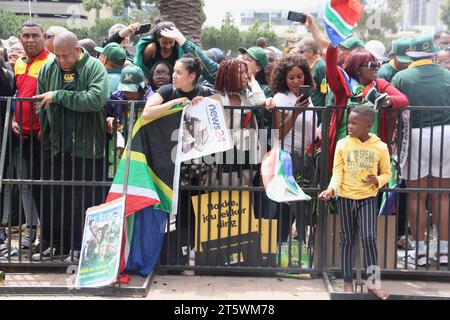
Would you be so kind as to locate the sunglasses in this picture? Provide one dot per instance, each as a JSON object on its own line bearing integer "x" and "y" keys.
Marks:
{"x": 48, "y": 35}
{"x": 373, "y": 65}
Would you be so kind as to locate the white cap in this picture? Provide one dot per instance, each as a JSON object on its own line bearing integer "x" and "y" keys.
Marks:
{"x": 376, "y": 48}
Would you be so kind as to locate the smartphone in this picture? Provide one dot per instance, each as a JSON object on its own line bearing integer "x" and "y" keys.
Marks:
{"x": 305, "y": 91}
{"x": 297, "y": 17}
{"x": 144, "y": 28}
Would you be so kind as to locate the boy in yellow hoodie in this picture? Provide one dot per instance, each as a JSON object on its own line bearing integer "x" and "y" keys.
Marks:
{"x": 361, "y": 167}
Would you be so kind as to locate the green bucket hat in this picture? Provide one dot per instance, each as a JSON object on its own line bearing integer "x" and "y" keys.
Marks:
{"x": 353, "y": 43}
{"x": 114, "y": 52}
{"x": 400, "y": 47}
{"x": 423, "y": 47}
{"x": 131, "y": 79}
{"x": 257, "y": 54}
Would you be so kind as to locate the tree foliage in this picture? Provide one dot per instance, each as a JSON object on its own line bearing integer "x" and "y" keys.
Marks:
{"x": 379, "y": 18}
{"x": 445, "y": 14}
{"x": 229, "y": 38}
{"x": 10, "y": 23}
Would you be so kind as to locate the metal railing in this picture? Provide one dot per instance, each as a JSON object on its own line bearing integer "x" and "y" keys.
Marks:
{"x": 225, "y": 221}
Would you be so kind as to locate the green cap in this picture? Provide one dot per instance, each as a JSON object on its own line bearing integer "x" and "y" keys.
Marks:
{"x": 257, "y": 54}
{"x": 423, "y": 47}
{"x": 131, "y": 78}
{"x": 400, "y": 47}
{"x": 114, "y": 52}
{"x": 352, "y": 43}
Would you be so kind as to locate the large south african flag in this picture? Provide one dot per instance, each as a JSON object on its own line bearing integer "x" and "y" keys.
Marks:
{"x": 150, "y": 190}
{"x": 340, "y": 17}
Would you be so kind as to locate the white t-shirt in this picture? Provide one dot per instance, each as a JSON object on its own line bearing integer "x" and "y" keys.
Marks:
{"x": 288, "y": 100}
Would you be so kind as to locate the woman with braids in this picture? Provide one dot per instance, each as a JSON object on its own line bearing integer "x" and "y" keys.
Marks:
{"x": 237, "y": 86}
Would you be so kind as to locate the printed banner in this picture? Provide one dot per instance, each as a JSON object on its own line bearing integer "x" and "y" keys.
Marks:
{"x": 227, "y": 232}
{"x": 102, "y": 238}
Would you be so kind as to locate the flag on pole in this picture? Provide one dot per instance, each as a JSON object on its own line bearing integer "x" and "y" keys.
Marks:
{"x": 340, "y": 18}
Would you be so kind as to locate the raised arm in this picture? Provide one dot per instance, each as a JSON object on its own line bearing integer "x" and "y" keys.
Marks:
{"x": 209, "y": 66}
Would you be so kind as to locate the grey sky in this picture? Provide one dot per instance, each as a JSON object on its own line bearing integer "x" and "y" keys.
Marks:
{"x": 215, "y": 9}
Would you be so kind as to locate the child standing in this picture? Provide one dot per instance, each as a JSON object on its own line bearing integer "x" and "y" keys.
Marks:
{"x": 361, "y": 168}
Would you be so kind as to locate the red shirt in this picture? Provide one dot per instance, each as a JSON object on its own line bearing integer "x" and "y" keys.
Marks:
{"x": 26, "y": 72}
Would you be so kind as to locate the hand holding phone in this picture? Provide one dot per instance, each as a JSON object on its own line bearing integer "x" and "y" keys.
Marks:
{"x": 297, "y": 17}
{"x": 144, "y": 28}
{"x": 304, "y": 92}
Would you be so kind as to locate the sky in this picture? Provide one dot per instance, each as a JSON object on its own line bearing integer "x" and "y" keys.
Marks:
{"x": 215, "y": 9}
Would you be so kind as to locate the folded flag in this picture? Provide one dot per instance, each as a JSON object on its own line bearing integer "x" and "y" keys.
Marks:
{"x": 150, "y": 190}
{"x": 388, "y": 201}
{"x": 278, "y": 180}
{"x": 340, "y": 17}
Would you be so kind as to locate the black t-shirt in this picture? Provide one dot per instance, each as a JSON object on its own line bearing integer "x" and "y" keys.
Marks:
{"x": 168, "y": 92}
{"x": 170, "y": 59}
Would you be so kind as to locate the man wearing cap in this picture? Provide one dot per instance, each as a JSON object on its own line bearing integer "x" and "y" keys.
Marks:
{"x": 427, "y": 85}
{"x": 257, "y": 61}
{"x": 73, "y": 90}
{"x": 113, "y": 57}
{"x": 400, "y": 61}
{"x": 131, "y": 87}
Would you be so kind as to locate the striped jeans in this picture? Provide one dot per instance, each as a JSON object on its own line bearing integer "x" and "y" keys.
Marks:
{"x": 361, "y": 213}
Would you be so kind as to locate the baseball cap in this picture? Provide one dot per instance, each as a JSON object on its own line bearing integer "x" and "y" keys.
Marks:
{"x": 352, "y": 43}
{"x": 257, "y": 54}
{"x": 376, "y": 48}
{"x": 400, "y": 47}
{"x": 131, "y": 79}
{"x": 114, "y": 52}
{"x": 423, "y": 47}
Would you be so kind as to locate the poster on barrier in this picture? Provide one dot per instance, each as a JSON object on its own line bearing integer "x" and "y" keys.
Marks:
{"x": 204, "y": 130}
{"x": 227, "y": 232}
{"x": 100, "y": 250}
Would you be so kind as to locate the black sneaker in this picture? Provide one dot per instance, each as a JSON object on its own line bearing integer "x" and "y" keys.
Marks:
{"x": 4, "y": 239}
{"x": 46, "y": 255}
{"x": 30, "y": 238}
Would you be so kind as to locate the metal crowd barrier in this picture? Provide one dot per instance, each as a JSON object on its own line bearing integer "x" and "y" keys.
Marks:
{"x": 225, "y": 221}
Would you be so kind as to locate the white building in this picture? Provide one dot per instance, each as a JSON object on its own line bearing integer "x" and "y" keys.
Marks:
{"x": 70, "y": 11}
{"x": 423, "y": 15}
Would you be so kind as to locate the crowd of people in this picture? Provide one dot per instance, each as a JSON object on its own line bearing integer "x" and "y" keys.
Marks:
{"x": 73, "y": 79}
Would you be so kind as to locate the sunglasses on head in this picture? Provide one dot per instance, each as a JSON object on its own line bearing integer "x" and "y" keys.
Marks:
{"x": 373, "y": 65}
{"x": 48, "y": 35}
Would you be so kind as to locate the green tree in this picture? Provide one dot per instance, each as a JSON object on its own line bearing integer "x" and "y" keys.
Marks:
{"x": 445, "y": 14}
{"x": 379, "y": 18}
{"x": 10, "y": 23}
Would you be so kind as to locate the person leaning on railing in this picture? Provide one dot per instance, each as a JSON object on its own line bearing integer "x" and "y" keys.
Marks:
{"x": 427, "y": 84}
{"x": 72, "y": 90}
{"x": 297, "y": 128}
{"x": 361, "y": 68}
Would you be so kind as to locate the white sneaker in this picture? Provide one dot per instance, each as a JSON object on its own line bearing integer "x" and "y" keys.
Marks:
{"x": 443, "y": 259}
{"x": 421, "y": 259}
{"x": 75, "y": 259}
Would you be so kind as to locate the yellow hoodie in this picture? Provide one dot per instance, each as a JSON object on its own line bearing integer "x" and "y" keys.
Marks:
{"x": 354, "y": 161}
